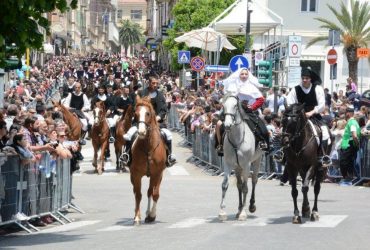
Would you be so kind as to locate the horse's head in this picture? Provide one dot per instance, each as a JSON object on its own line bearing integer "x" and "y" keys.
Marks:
{"x": 231, "y": 107}
{"x": 294, "y": 119}
{"x": 144, "y": 115}
{"x": 98, "y": 112}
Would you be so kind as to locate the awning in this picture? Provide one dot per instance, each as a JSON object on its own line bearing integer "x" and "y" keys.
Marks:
{"x": 234, "y": 23}
{"x": 48, "y": 48}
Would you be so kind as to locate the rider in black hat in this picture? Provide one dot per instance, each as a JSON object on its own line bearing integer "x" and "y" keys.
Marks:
{"x": 313, "y": 96}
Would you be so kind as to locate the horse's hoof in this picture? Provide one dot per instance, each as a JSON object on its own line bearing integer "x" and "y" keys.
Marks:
{"x": 297, "y": 219}
{"x": 252, "y": 208}
{"x": 315, "y": 216}
{"x": 137, "y": 223}
{"x": 149, "y": 219}
{"x": 241, "y": 216}
{"x": 222, "y": 216}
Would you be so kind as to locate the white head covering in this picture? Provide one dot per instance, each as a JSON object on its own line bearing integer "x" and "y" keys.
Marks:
{"x": 246, "y": 90}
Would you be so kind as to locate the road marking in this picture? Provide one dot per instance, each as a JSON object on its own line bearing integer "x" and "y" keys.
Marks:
{"x": 255, "y": 222}
{"x": 116, "y": 228}
{"x": 191, "y": 222}
{"x": 70, "y": 226}
{"x": 326, "y": 221}
{"x": 177, "y": 170}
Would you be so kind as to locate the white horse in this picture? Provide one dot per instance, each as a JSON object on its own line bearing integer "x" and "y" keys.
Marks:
{"x": 240, "y": 155}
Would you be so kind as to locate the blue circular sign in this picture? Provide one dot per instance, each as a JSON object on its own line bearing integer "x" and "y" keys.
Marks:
{"x": 238, "y": 62}
{"x": 197, "y": 63}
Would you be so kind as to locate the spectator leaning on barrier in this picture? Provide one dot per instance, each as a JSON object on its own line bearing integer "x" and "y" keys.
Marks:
{"x": 350, "y": 145}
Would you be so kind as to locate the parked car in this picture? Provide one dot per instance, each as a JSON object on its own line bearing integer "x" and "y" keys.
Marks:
{"x": 365, "y": 99}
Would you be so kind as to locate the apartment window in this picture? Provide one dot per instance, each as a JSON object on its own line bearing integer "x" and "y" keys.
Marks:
{"x": 119, "y": 14}
{"x": 136, "y": 14}
{"x": 309, "y": 5}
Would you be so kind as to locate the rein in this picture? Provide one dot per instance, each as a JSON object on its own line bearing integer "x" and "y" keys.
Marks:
{"x": 296, "y": 136}
{"x": 233, "y": 116}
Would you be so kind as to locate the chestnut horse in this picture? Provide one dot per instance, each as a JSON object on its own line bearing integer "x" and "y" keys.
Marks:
{"x": 99, "y": 136}
{"x": 122, "y": 126}
{"x": 148, "y": 158}
{"x": 71, "y": 119}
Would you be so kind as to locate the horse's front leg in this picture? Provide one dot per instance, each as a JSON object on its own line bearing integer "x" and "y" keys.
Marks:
{"x": 306, "y": 211}
{"x": 153, "y": 193}
{"x": 95, "y": 159}
{"x": 317, "y": 187}
{"x": 244, "y": 190}
{"x": 239, "y": 185}
{"x": 225, "y": 184}
{"x": 136, "y": 183}
{"x": 101, "y": 158}
{"x": 293, "y": 180}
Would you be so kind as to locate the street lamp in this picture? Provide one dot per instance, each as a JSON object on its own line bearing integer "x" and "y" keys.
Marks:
{"x": 248, "y": 27}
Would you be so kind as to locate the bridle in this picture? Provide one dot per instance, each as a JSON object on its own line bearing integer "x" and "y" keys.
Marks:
{"x": 233, "y": 115}
{"x": 292, "y": 137}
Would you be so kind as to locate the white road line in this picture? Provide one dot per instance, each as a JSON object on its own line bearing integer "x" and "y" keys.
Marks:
{"x": 326, "y": 221}
{"x": 69, "y": 227}
{"x": 177, "y": 170}
{"x": 256, "y": 222}
{"x": 191, "y": 222}
{"x": 116, "y": 228}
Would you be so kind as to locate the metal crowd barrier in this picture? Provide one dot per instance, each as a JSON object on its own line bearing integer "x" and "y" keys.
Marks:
{"x": 34, "y": 190}
{"x": 204, "y": 152}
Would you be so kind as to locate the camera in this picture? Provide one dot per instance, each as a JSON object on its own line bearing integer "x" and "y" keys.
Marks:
{"x": 54, "y": 144}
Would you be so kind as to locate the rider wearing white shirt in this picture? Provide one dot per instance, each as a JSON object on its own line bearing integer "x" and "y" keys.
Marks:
{"x": 245, "y": 85}
{"x": 79, "y": 101}
{"x": 313, "y": 96}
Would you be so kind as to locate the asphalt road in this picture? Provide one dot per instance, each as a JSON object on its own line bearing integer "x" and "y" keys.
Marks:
{"x": 187, "y": 215}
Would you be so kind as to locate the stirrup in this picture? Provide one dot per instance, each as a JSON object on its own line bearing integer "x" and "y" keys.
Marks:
{"x": 111, "y": 139}
{"x": 124, "y": 158}
{"x": 326, "y": 161}
{"x": 263, "y": 146}
{"x": 278, "y": 156}
{"x": 170, "y": 161}
{"x": 220, "y": 149}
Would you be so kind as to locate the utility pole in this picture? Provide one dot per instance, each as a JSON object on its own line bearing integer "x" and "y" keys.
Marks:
{"x": 248, "y": 27}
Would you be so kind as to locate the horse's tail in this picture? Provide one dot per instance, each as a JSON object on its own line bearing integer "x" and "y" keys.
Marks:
{"x": 128, "y": 118}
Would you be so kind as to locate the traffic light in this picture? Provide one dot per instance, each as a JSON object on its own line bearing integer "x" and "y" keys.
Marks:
{"x": 12, "y": 62}
{"x": 265, "y": 73}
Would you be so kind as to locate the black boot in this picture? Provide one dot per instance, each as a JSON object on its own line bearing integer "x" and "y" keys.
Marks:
{"x": 170, "y": 157}
{"x": 112, "y": 132}
{"x": 88, "y": 137}
{"x": 325, "y": 159}
{"x": 82, "y": 140}
{"x": 126, "y": 156}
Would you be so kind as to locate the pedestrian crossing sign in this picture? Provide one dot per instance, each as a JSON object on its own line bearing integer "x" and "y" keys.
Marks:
{"x": 183, "y": 57}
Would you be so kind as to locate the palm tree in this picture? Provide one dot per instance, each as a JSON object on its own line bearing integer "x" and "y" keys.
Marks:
{"x": 352, "y": 28}
{"x": 130, "y": 33}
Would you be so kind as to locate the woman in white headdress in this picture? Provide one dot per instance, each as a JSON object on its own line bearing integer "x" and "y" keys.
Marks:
{"x": 243, "y": 84}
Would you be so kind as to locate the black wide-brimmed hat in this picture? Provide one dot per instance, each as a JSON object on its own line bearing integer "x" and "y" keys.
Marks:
{"x": 315, "y": 78}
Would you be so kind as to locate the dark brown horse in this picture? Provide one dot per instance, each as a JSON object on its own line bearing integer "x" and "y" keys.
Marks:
{"x": 122, "y": 126}
{"x": 148, "y": 158}
{"x": 301, "y": 151}
{"x": 71, "y": 119}
{"x": 99, "y": 136}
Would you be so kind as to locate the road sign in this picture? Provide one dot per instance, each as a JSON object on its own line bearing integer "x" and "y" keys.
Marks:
{"x": 332, "y": 56}
{"x": 258, "y": 56}
{"x": 294, "y": 76}
{"x": 238, "y": 62}
{"x": 217, "y": 68}
{"x": 362, "y": 52}
{"x": 294, "y": 61}
{"x": 197, "y": 63}
{"x": 183, "y": 56}
{"x": 295, "y": 46}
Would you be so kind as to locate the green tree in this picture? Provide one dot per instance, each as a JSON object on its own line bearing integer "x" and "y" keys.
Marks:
{"x": 196, "y": 14}
{"x": 130, "y": 33}
{"x": 352, "y": 27}
{"x": 20, "y": 22}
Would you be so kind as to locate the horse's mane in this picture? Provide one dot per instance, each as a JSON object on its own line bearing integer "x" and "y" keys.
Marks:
{"x": 146, "y": 102}
{"x": 127, "y": 118}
